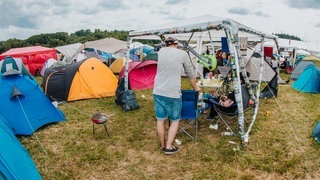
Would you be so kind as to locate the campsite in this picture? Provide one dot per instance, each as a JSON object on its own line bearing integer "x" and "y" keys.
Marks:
{"x": 275, "y": 140}
{"x": 280, "y": 147}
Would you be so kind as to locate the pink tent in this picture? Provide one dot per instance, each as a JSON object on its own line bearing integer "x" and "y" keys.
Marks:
{"x": 141, "y": 74}
{"x": 33, "y": 57}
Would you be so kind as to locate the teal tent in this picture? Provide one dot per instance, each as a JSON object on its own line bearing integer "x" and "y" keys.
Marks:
{"x": 9, "y": 63}
{"x": 309, "y": 80}
{"x": 15, "y": 161}
{"x": 316, "y": 132}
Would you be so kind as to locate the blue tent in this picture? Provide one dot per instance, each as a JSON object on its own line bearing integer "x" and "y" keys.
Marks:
{"x": 135, "y": 52}
{"x": 15, "y": 161}
{"x": 309, "y": 80}
{"x": 316, "y": 132}
{"x": 24, "y": 106}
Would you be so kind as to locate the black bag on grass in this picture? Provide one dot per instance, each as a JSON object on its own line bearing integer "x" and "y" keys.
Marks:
{"x": 126, "y": 98}
{"x": 129, "y": 101}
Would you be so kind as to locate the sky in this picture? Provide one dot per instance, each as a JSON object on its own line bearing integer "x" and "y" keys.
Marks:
{"x": 22, "y": 19}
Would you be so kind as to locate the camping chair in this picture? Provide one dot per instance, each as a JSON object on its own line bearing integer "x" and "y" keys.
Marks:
{"x": 224, "y": 73}
{"x": 189, "y": 114}
{"x": 227, "y": 117}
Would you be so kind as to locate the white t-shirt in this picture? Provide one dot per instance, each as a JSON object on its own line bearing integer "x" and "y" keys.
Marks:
{"x": 171, "y": 62}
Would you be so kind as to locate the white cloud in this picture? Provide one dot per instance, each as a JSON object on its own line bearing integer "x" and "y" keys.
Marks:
{"x": 22, "y": 19}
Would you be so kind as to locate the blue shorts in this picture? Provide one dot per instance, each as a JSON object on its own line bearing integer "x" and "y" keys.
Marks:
{"x": 166, "y": 107}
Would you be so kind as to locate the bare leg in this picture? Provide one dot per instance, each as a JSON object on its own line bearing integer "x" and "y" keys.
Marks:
{"x": 173, "y": 129}
{"x": 160, "y": 132}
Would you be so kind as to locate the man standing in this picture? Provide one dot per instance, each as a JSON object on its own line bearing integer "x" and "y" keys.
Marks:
{"x": 167, "y": 90}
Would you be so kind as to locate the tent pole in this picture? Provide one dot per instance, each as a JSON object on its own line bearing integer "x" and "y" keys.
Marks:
{"x": 232, "y": 39}
{"x": 126, "y": 83}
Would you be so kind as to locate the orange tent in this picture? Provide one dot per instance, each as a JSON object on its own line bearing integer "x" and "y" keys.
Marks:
{"x": 86, "y": 79}
{"x": 117, "y": 65}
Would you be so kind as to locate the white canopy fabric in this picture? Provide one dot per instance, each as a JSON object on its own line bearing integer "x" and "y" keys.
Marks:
{"x": 183, "y": 29}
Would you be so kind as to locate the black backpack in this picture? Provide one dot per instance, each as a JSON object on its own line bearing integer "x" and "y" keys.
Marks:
{"x": 126, "y": 98}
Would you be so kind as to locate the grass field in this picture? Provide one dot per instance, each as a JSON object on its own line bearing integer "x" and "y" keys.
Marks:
{"x": 280, "y": 146}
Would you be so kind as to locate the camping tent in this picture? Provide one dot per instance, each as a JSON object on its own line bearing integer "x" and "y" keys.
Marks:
{"x": 47, "y": 64}
{"x": 33, "y": 57}
{"x": 117, "y": 65}
{"x": 86, "y": 79}
{"x": 253, "y": 65}
{"x": 309, "y": 80}
{"x": 138, "y": 53}
{"x": 109, "y": 45}
{"x": 9, "y": 63}
{"x": 15, "y": 161}
{"x": 316, "y": 132}
{"x": 141, "y": 74}
{"x": 302, "y": 63}
{"x": 24, "y": 106}
{"x": 151, "y": 56}
{"x": 68, "y": 51}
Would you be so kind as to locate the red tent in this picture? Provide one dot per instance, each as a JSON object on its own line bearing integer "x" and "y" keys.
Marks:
{"x": 141, "y": 74}
{"x": 33, "y": 57}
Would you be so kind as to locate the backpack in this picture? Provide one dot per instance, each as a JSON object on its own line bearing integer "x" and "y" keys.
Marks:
{"x": 129, "y": 101}
{"x": 126, "y": 98}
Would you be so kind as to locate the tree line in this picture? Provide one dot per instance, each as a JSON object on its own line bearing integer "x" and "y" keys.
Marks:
{"x": 62, "y": 38}
{"x": 287, "y": 36}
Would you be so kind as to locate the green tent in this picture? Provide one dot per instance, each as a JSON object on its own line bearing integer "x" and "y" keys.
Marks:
{"x": 10, "y": 65}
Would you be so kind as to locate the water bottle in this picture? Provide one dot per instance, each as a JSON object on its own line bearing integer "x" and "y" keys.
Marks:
{"x": 199, "y": 99}
{"x": 200, "y": 96}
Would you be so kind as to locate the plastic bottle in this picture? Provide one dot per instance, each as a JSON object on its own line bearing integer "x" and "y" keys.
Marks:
{"x": 200, "y": 95}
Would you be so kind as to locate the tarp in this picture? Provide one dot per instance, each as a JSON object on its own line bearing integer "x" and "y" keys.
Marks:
{"x": 271, "y": 89}
{"x": 309, "y": 80}
{"x": 86, "y": 79}
{"x": 33, "y": 57}
{"x": 141, "y": 74}
{"x": 183, "y": 29}
{"x": 24, "y": 106}
{"x": 15, "y": 161}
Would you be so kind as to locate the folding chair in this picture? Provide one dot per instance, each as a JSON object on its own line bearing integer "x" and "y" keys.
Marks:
{"x": 226, "y": 117}
{"x": 190, "y": 113}
{"x": 224, "y": 72}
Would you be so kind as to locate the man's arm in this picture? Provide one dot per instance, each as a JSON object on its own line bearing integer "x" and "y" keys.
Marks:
{"x": 194, "y": 84}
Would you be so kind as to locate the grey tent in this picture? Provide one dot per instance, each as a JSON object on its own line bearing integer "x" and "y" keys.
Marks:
{"x": 68, "y": 51}
{"x": 300, "y": 67}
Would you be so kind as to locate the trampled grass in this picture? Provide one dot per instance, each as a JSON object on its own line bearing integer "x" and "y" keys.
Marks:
{"x": 280, "y": 146}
